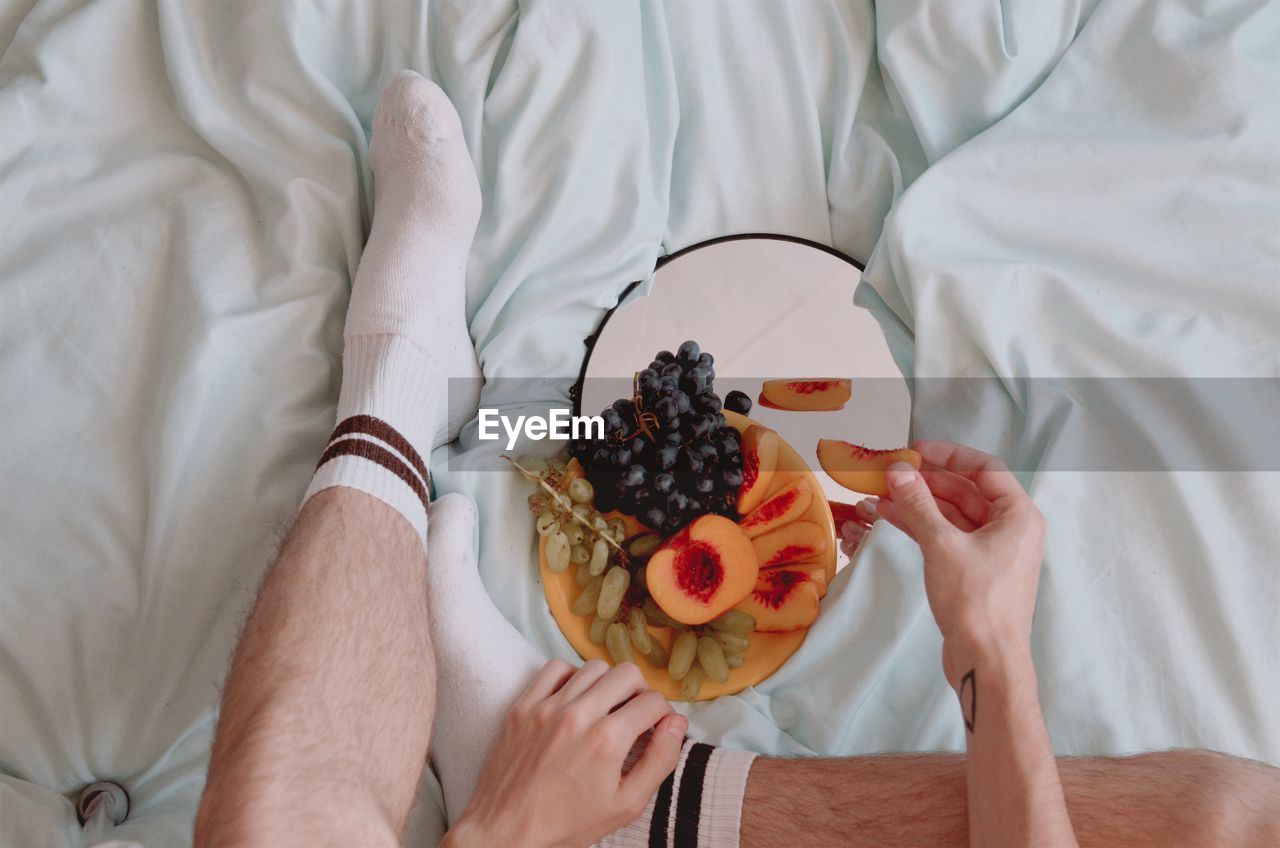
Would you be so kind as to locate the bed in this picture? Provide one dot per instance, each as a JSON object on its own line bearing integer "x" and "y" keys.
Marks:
{"x": 1041, "y": 191}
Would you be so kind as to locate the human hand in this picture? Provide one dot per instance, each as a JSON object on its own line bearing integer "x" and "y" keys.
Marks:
{"x": 554, "y": 775}
{"x": 983, "y": 541}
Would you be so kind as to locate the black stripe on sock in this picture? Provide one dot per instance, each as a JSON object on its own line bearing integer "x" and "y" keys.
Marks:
{"x": 689, "y": 800}
{"x": 661, "y": 812}
{"x": 368, "y": 425}
{"x": 381, "y": 456}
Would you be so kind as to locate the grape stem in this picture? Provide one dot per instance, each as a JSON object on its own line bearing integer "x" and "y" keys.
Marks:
{"x": 556, "y": 495}
{"x": 643, "y": 419}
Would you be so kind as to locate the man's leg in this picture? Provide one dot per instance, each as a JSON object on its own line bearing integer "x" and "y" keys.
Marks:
{"x": 327, "y": 712}
{"x": 332, "y": 688}
{"x": 1165, "y": 799}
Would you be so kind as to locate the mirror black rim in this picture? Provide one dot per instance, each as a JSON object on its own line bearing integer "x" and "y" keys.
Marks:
{"x": 575, "y": 391}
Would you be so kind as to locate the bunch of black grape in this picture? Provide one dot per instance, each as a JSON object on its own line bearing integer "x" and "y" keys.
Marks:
{"x": 667, "y": 456}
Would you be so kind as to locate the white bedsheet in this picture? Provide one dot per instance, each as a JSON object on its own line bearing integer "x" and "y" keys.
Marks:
{"x": 184, "y": 195}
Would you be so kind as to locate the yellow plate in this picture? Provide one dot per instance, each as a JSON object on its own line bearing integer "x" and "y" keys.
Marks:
{"x": 768, "y": 651}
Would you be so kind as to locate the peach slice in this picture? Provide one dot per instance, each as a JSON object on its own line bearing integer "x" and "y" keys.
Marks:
{"x": 823, "y": 395}
{"x": 842, "y": 512}
{"x": 813, "y": 571}
{"x": 783, "y": 599}
{"x": 702, "y": 571}
{"x": 794, "y": 542}
{"x": 861, "y": 469}
{"x": 759, "y": 448}
{"x": 782, "y": 507}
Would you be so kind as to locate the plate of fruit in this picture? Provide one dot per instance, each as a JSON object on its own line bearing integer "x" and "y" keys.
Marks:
{"x": 690, "y": 539}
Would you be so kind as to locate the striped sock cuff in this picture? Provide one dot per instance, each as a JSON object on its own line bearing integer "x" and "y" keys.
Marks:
{"x": 368, "y": 454}
{"x": 699, "y": 805}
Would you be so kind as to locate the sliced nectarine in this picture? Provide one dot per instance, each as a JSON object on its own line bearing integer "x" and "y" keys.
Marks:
{"x": 782, "y": 507}
{"x": 702, "y": 571}
{"x": 842, "y": 512}
{"x": 815, "y": 571}
{"x": 759, "y": 447}
{"x": 794, "y": 542}
{"x": 783, "y": 599}
{"x": 861, "y": 469}
{"x": 806, "y": 395}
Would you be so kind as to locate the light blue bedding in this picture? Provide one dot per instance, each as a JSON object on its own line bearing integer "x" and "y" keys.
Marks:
{"x": 1042, "y": 189}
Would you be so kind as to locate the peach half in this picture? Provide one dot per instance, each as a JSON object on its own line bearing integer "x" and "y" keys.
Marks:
{"x": 824, "y": 395}
{"x": 794, "y": 542}
{"x": 702, "y": 571}
{"x": 783, "y": 599}
{"x": 759, "y": 448}
{"x": 782, "y": 507}
{"x": 861, "y": 469}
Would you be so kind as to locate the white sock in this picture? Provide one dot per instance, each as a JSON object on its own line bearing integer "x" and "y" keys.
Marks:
{"x": 482, "y": 666}
{"x": 482, "y": 662}
{"x": 409, "y": 373}
{"x": 698, "y": 806}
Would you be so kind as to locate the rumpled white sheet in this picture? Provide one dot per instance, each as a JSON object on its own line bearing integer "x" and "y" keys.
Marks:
{"x": 185, "y": 192}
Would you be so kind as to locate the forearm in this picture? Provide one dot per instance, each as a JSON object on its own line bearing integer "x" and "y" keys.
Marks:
{"x": 1014, "y": 791}
{"x": 326, "y": 714}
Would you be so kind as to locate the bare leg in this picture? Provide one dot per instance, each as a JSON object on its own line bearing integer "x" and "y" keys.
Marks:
{"x": 332, "y": 689}
{"x": 1172, "y": 798}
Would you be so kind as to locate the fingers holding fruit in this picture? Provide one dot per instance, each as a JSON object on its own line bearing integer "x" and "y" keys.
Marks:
{"x": 982, "y": 540}
{"x": 912, "y": 507}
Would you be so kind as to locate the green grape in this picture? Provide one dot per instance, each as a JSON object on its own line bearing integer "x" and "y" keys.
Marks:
{"x": 691, "y": 683}
{"x": 642, "y": 546}
{"x": 655, "y": 614}
{"x": 639, "y": 631}
{"x": 582, "y": 576}
{"x": 599, "y": 556}
{"x": 735, "y": 621}
{"x": 557, "y": 465}
{"x": 657, "y": 655}
{"x": 711, "y": 657}
{"x": 547, "y": 524}
{"x": 618, "y": 528}
{"x": 734, "y": 660}
{"x": 582, "y": 511}
{"x": 730, "y": 641}
{"x": 596, "y": 634}
{"x": 557, "y": 552}
{"x": 613, "y": 588}
{"x": 533, "y": 464}
{"x": 581, "y": 491}
{"x": 574, "y": 531}
{"x": 586, "y": 602}
{"x": 683, "y": 651}
{"x": 598, "y": 523}
{"x": 618, "y": 643}
{"x": 538, "y": 504}
{"x": 579, "y": 553}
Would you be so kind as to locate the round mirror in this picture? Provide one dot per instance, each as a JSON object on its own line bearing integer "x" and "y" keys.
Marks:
{"x": 768, "y": 308}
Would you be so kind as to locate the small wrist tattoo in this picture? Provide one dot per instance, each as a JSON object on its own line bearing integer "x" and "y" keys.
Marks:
{"x": 969, "y": 699}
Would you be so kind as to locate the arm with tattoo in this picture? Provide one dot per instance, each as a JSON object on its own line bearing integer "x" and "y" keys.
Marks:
{"x": 983, "y": 540}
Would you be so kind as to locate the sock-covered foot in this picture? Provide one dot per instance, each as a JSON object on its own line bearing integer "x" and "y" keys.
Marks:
{"x": 409, "y": 373}
{"x": 482, "y": 662}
